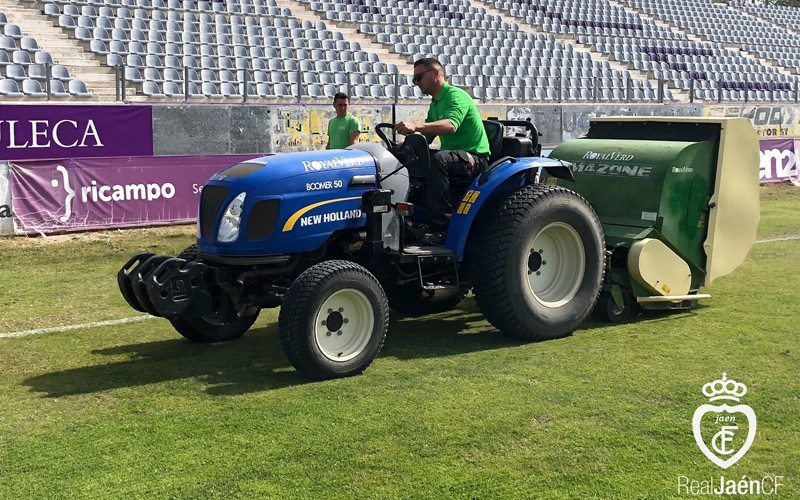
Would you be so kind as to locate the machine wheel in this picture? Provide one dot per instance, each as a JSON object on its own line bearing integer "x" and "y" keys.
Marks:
{"x": 608, "y": 310}
{"x": 537, "y": 263}
{"x": 225, "y": 325}
{"x": 333, "y": 320}
{"x": 218, "y": 327}
{"x": 189, "y": 253}
{"x": 414, "y": 301}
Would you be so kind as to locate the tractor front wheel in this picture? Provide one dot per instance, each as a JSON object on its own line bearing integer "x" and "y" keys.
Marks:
{"x": 333, "y": 320}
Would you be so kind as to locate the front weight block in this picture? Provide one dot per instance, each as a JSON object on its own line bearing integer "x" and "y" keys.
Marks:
{"x": 178, "y": 289}
{"x": 139, "y": 282}
{"x": 125, "y": 279}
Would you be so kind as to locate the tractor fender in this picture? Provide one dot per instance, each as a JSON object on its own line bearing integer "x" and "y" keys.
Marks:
{"x": 498, "y": 181}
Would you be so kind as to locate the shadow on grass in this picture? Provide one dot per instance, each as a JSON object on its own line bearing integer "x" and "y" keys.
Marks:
{"x": 256, "y": 362}
{"x": 459, "y": 331}
{"x": 252, "y": 363}
{"x": 645, "y": 316}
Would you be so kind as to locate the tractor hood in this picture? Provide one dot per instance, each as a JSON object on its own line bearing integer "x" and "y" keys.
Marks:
{"x": 315, "y": 165}
{"x": 287, "y": 203}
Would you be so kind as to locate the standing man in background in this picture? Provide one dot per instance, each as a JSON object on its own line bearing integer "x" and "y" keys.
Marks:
{"x": 343, "y": 130}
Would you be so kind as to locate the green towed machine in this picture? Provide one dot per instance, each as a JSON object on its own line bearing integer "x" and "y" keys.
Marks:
{"x": 678, "y": 201}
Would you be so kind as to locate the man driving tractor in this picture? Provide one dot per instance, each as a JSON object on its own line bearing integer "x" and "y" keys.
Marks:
{"x": 454, "y": 118}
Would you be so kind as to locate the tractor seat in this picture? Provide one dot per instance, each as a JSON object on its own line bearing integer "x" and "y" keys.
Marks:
{"x": 517, "y": 147}
{"x": 494, "y": 132}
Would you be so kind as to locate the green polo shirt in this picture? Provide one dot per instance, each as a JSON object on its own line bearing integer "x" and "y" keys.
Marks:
{"x": 457, "y": 106}
{"x": 339, "y": 130}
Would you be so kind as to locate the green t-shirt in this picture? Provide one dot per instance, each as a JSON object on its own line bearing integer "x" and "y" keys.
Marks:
{"x": 457, "y": 106}
{"x": 339, "y": 130}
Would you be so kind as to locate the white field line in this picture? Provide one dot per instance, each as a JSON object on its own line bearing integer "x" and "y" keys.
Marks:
{"x": 65, "y": 328}
{"x": 785, "y": 238}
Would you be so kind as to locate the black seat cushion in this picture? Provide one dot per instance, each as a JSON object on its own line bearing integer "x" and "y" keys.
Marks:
{"x": 494, "y": 132}
{"x": 517, "y": 147}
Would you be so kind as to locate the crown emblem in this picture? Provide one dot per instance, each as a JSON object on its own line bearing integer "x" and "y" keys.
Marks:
{"x": 724, "y": 389}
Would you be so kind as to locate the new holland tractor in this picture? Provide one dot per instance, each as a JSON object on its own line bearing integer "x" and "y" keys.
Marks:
{"x": 331, "y": 237}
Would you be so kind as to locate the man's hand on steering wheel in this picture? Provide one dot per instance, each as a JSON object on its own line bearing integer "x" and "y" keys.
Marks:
{"x": 406, "y": 128}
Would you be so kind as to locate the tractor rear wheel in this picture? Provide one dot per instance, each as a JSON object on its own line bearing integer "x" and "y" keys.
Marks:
{"x": 414, "y": 301}
{"x": 218, "y": 327}
{"x": 226, "y": 324}
{"x": 537, "y": 263}
{"x": 333, "y": 320}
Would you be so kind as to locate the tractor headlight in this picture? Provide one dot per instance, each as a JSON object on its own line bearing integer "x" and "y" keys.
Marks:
{"x": 229, "y": 226}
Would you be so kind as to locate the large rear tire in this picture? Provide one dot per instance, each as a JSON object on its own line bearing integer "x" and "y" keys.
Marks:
{"x": 537, "y": 263}
{"x": 333, "y": 320}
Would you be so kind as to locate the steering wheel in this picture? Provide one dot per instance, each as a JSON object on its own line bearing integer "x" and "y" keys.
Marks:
{"x": 390, "y": 144}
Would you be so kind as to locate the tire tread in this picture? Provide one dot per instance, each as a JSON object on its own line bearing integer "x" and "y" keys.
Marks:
{"x": 494, "y": 239}
{"x": 293, "y": 316}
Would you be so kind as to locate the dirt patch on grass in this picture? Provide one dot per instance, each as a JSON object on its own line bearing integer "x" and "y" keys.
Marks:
{"x": 778, "y": 190}
{"x": 97, "y": 236}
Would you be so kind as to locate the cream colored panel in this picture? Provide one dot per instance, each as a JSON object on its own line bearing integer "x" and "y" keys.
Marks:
{"x": 733, "y": 218}
{"x": 658, "y": 268}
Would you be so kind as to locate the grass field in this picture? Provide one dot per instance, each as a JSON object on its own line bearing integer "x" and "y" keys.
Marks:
{"x": 451, "y": 408}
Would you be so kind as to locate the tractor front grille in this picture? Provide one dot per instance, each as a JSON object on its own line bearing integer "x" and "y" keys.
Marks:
{"x": 210, "y": 205}
{"x": 262, "y": 219}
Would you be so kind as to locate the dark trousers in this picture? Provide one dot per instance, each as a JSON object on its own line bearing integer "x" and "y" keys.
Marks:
{"x": 447, "y": 166}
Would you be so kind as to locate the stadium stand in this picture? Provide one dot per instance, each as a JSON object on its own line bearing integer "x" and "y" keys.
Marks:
{"x": 25, "y": 65}
{"x": 504, "y": 51}
{"x": 719, "y": 63}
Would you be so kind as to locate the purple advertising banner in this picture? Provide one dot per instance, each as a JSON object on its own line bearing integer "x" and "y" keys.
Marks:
{"x": 779, "y": 160}
{"x": 35, "y": 132}
{"x": 96, "y": 193}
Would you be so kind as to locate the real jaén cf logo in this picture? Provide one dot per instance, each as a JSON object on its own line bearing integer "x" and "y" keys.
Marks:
{"x": 725, "y": 434}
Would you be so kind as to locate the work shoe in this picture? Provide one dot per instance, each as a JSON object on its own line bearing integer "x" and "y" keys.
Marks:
{"x": 434, "y": 239}
{"x": 415, "y": 232}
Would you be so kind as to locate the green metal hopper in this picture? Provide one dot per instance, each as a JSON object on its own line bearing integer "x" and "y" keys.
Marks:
{"x": 678, "y": 200}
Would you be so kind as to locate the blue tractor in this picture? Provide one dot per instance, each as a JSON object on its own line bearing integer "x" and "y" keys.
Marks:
{"x": 331, "y": 238}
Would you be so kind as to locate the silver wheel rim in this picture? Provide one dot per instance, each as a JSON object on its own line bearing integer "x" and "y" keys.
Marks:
{"x": 343, "y": 325}
{"x": 555, "y": 264}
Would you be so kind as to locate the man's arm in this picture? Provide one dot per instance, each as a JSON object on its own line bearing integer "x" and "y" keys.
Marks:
{"x": 328, "y": 145}
{"x": 355, "y": 129}
{"x": 439, "y": 127}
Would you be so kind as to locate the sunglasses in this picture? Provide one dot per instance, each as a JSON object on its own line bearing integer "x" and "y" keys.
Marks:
{"x": 418, "y": 77}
